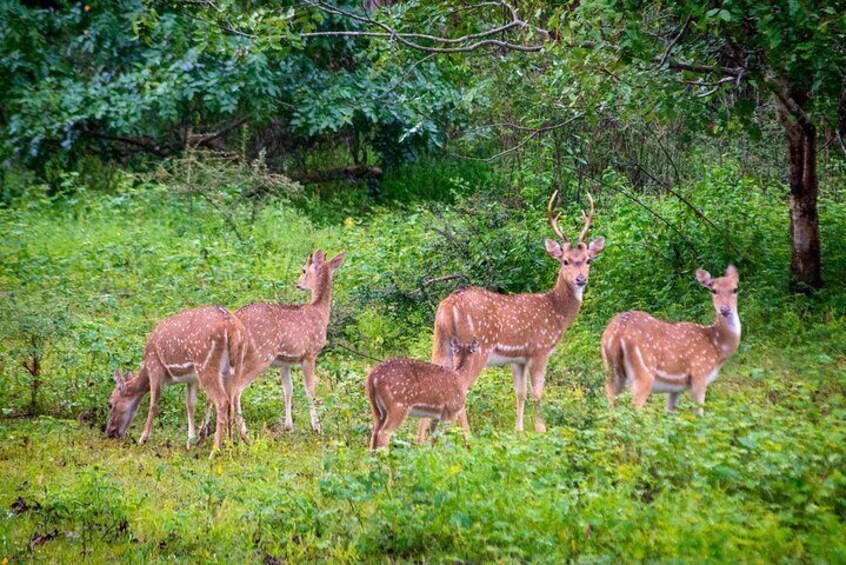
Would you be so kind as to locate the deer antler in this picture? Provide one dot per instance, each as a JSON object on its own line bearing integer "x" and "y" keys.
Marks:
{"x": 553, "y": 222}
{"x": 587, "y": 218}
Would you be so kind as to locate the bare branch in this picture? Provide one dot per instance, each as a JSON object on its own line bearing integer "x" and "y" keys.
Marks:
{"x": 534, "y": 132}
{"x": 675, "y": 40}
{"x": 463, "y": 44}
{"x": 696, "y": 68}
{"x": 206, "y": 138}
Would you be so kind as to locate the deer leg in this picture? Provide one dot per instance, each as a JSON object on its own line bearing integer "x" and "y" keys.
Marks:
{"x": 538, "y": 376}
{"x": 155, "y": 392}
{"x": 190, "y": 405}
{"x": 393, "y": 420}
{"x": 374, "y": 437}
{"x": 641, "y": 376}
{"x": 378, "y": 421}
{"x": 641, "y": 389}
{"x": 422, "y": 427}
{"x": 204, "y": 428}
{"x": 616, "y": 377}
{"x": 288, "y": 388}
{"x": 308, "y": 373}
{"x": 697, "y": 390}
{"x": 519, "y": 373}
{"x": 433, "y": 426}
{"x": 222, "y": 426}
{"x": 465, "y": 423}
{"x": 672, "y": 401}
{"x": 465, "y": 426}
{"x": 239, "y": 418}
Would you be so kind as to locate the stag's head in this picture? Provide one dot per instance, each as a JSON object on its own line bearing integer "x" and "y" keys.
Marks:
{"x": 723, "y": 291}
{"x": 123, "y": 403}
{"x": 317, "y": 267}
{"x": 575, "y": 258}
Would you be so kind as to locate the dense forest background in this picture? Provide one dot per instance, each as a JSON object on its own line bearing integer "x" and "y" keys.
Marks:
{"x": 158, "y": 155}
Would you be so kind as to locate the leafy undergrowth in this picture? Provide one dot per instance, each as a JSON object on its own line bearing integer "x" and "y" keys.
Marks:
{"x": 759, "y": 478}
{"x": 749, "y": 481}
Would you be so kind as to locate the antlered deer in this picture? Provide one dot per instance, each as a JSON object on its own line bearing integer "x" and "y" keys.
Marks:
{"x": 522, "y": 329}
{"x": 204, "y": 345}
{"x": 287, "y": 335}
{"x": 399, "y": 388}
{"x": 652, "y": 355}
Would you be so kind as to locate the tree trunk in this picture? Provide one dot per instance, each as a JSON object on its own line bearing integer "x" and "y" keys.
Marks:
{"x": 804, "y": 191}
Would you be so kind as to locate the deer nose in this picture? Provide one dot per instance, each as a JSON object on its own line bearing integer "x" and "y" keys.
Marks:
{"x": 725, "y": 311}
{"x": 581, "y": 280}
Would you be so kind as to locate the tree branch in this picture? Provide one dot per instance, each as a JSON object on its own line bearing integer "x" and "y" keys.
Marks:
{"x": 206, "y": 138}
{"x": 675, "y": 40}
{"x": 445, "y": 45}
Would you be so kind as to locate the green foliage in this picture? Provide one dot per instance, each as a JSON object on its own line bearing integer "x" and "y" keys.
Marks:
{"x": 759, "y": 477}
{"x": 134, "y": 74}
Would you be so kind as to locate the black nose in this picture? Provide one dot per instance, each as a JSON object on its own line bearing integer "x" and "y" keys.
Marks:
{"x": 725, "y": 311}
{"x": 103, "y": 428}
{"x": 581, "y": 280}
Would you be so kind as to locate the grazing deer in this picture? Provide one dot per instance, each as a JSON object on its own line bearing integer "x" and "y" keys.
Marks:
{"x": 522, "y": 329}
{"x": 287, "y": 335}
{"x": 402, "y": 387}
{"x": 204, "y": 345}
{"x": 657, "y": 356}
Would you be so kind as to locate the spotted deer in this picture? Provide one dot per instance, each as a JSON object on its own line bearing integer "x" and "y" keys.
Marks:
{"x": 199, "y": 347}
{"x": 522, "y": 329}
{"x": 401, "y": 387}
{"x": 652, "y": 355}
{"x": 288, "y": 335}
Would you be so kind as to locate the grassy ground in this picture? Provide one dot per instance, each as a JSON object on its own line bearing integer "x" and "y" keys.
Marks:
{"x": 760, "y": 478}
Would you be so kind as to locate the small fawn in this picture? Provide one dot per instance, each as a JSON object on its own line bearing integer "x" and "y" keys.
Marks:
{"x": 657, "y": 356}
{"x": 205, "y": 345}
{"x": 403, "y": 387}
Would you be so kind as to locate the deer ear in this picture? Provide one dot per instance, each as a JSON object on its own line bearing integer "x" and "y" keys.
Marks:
{"x": 704, "y": 278}
{"x": 453, "y": 344}
{"x": 318, "y": 256}
{"x": 554, "y": 249}
{"x": 596, "y": 246}
{"x": 731, "y": 271}
{"x": 120, "y": 381}
{"x": 337, "y": 260}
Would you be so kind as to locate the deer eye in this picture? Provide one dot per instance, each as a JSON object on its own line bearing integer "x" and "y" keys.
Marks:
{"x": 588, "y": 261}
{"x": 109, "y": 404}
{"x": 734, "y": 291}
{"x": 713, "y": 291}
{"x": 565, "y": 262}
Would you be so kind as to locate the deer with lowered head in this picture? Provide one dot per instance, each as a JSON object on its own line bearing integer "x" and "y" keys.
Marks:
{"x": 521, "y": 330}
{"x": 401, "y": 387}
{"x": 200, "y": 347}
{"x": 288, "y": 335}
{"x": 652, "y": 355}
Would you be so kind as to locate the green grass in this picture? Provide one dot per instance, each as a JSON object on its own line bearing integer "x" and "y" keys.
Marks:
{"x": 759, "y": 478}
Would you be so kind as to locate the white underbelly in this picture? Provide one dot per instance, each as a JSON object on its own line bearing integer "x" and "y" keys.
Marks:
{"x": 660, "y": 386}
{"x": 426, "y": 411}
{"x": 277, "y": 363}
{"x": 499, "y": 359}
{"x": 189, "y": 378}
